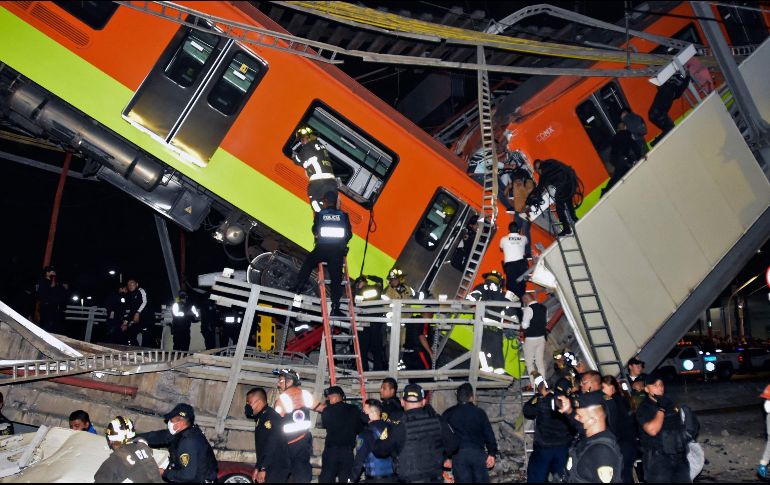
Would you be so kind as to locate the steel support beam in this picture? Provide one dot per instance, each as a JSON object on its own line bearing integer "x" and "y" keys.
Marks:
{"x": 236, "y": 361}
{"x": 168, "y": 254}
{"x": 758, "y": 128}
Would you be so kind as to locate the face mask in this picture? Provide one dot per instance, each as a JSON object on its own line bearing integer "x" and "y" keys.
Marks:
{"x": 248, "y": 412}
{"x": 767, "y": 406}
{"x": 171, "y": 428}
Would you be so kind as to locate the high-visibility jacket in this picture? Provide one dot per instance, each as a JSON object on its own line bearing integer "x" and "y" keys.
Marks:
{"x": 294, "y": 405}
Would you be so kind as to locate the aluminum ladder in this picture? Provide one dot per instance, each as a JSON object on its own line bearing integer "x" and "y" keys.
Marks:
{"x": 333, "y": 333}
{"x": 488, "y": 214}
{"x": 592, "y": 316}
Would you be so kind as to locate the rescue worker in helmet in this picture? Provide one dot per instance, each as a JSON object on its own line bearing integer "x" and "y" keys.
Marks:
{"x": 131, "y": 461}
{"x": 182, "y": 316}
{"x": 566, "y": 374}
{"x": 294, "y": 405}
{"x": 492, "y": 339}
{"x": 313, "y": 157}
{"x": 332, "y": 232}
{"x": 397, "y": 288}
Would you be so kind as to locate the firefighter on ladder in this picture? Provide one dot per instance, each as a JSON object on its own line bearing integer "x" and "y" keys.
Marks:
{"x": 294, "y": 405}
{"x": 332, "y": 232}
{"x": 314, "y": 158}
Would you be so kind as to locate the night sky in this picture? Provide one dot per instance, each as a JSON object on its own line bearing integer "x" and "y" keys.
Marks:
{"x": 101, "y": 228}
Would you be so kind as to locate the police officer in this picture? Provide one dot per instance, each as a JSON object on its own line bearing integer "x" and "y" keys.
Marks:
{"x": 343, "y": 422}
{"x": 272, "y": 451}
{"x": 378, "y": 470}
{"x": 210, "y": 321}
{"x": 294, "y": 405}
{"x": 138, "y": 315}
{"x": 492, "y": 339}
{"x": 635, "y": 369}
{"x": 597, "y": 457}
{"x": 313, "y": 157}
{"x": 51, "y": 297}
{"x": 392, "y": 411}
{"x": 419, "y": 443}
{"x": 553, "y": 433}
{"x": 370, "y": 339}
{"x": 332, "y": 232}
{"x": 478, "y": 445}
{"x": 131, "y": 461}
{"x": 661, "y": 436}
{"x": 191, "y": 459}
{"x": 514, "y": 247}
{"x": 182, "y": 316}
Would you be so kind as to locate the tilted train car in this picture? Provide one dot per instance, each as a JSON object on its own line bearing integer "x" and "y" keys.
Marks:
{"x": 573, "y": 119}
{"x": 185, "y": 120}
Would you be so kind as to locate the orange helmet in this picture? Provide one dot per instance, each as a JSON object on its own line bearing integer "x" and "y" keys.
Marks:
{"x": 766, "y": 393}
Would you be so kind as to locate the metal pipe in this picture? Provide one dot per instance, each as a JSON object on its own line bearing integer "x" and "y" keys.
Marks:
{"x": 85, "y": 383}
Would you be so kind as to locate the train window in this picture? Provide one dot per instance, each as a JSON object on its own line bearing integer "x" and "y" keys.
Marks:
{"x": 188, "y": 61}
{"x": 236, "y": 83}
{"x": 688, "y": 34}
{"x": 745, "y": 27}
{"x": 93, "y": 14}
{"x": 441, "y": 212}
{"x": 595, "y": 124}
{"x": 600, "y": 115}
{"x": 612, "y": 102}
{"x": 360, "y": 161}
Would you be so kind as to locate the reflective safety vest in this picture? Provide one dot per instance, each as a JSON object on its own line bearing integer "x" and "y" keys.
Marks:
{"x": 315, "y": 160}
{"x": 180, "y": 311}
{"x": 332, "y": 227}
{"x": 294, "y": 406}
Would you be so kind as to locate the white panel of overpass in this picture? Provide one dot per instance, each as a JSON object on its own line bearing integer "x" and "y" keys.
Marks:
{"x": 651, "y": 241}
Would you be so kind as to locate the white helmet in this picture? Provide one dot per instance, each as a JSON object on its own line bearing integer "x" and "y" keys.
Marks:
{"x": 120, "y": 430}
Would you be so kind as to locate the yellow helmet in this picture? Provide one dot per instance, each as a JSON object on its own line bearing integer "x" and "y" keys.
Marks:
{"x": 304, "y": 131}
{"x": 396, "y": 273}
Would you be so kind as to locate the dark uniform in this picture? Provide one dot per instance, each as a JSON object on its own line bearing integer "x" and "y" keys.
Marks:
{"x": 492, "y": 338}
{"x": 332, "y": 232}
{"x": 183, "y": 314}
{"x": 476, "y": 442}
{"x": 553, "y": 435}
{"x": 392, "y": 411}
{"x": 415, "y": 356}
{"x": 624, "y": 153}
{"x": 131, "y": 463}
{"x": 191, "y": 459}
{"x": 419, "y": 443}
{"x": 563, "y": 179}
{"x": 621, "y": 422}
{"x": 270, "y": 445}
{"x": 594, "y": 459}
{"x": 378, "y": 470}
{"x": 209, "y": 322}
{"x": 314, "y": 158}
{"x": 52, "y": 303}
{"x": 115, "y": 305}
{"x": 670, "y": 91}
{"x": 343, "y": 423}
{"x": 664, "y": 456}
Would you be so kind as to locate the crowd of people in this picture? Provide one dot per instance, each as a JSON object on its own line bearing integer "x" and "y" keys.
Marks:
{"x": 593, "y": 428}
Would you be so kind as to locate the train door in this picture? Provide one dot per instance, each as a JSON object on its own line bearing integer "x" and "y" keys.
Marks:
{"x": 744, "y": 26}
{"x": 433, "y": 254}
{"x": 600, "y": 115}
{"x": 195, "y": 92}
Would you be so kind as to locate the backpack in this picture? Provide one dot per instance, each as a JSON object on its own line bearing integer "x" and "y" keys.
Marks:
{"x": 690, "y": 421}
